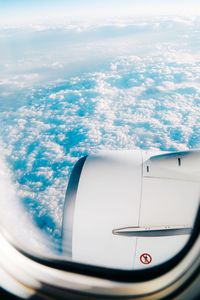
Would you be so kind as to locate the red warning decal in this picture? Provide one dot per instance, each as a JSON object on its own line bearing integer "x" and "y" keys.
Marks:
{"x": 145, "y": 258}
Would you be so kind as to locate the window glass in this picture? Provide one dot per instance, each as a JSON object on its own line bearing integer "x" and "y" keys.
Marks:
{"x": 78, "y": 77}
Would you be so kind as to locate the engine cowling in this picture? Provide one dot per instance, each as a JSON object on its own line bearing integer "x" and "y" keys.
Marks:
{"x": 130, "y": 209}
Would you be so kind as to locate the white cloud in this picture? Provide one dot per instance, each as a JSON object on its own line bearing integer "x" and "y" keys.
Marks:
{"x": 148, "y": 100}
{"x": 14, "y": 219}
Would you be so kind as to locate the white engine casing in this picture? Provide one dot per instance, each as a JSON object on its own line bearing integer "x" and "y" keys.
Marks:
{"x": 113, "y": 193}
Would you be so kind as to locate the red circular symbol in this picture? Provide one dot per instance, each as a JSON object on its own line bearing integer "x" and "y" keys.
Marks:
{"x": 145, "y": 258}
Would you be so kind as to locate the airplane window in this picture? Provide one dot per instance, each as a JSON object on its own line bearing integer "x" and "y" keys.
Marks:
{"x": 100, "y": 129}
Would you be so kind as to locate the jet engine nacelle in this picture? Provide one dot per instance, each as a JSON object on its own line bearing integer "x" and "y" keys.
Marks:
{"x": 130, "y": 209}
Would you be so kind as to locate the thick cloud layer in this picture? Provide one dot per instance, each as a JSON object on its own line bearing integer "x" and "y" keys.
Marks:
{"x": 147, "y": 101}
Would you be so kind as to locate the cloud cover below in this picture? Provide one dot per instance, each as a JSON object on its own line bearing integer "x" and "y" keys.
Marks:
{"x": 131, "y": 99}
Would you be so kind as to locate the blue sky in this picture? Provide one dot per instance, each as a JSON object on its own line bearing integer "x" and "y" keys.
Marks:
{"x": 15, "y": 10}
{"x": 107, "y": 4}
